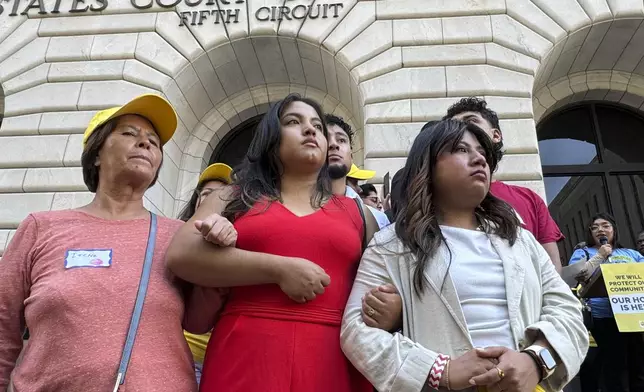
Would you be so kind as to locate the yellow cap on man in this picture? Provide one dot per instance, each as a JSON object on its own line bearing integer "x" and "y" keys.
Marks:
{"x": 360, "y": 174}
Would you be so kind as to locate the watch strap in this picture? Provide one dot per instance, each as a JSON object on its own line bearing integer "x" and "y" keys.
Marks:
{"x": 538, "y": 362}
{"x": 537, "y": 351}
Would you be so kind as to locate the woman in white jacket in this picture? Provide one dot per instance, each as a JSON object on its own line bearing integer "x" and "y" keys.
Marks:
{"x": 482, "y": 304}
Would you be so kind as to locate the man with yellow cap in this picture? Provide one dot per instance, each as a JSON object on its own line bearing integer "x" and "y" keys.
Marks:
{"x": 212, "y": 179}
{"x": 353, "y": 190}
{"x": 356, "y": 174}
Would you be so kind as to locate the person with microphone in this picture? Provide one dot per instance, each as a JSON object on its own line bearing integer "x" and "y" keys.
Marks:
{"x": 619, "y": 352}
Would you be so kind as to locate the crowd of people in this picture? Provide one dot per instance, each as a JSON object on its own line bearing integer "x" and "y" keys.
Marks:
{"x": 285, "y": 274}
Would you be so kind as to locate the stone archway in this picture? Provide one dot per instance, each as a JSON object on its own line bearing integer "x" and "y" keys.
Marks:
{"x": 235, "y": 79}
{"x": 233, "y": 146}
{"x": 56, "y": 72}
{"x": 602, "y": 58}
{"x": 605, "y": 85}
{"x": 596, "y": 56}
{"x": 590, "y": 151}
{"x": 389, "y": 64}
{"x": 226, "y": 116}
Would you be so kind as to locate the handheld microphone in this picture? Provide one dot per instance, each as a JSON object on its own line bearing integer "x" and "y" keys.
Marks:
{"x": 603, "y": 240}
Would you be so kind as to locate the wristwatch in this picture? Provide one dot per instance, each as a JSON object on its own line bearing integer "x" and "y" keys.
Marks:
{"x": 544, "y": 359}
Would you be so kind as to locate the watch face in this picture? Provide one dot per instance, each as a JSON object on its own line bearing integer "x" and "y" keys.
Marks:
{"x": 547, "y": 359}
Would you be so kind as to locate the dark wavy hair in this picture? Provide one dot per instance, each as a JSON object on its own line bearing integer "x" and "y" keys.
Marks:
{"x": 394, "y": 199}
{"x": 590, "y": 239}
{"x": 331, "y": 119}
{"x": 478, "y": 105}
{"x": 259, "y": 175}
{"x": 189, "y": 209}
{"x": 367, "y": 189}
{"x": 417, "y": 225}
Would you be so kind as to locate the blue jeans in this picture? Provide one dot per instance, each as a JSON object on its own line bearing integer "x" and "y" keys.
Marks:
{"x": 198, "y": 370}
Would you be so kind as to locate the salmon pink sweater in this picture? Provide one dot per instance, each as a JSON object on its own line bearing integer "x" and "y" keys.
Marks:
{"x": 78, "y": 306}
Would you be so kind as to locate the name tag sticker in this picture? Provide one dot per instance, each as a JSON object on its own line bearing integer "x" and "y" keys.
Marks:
{"x": 93, "y": 258}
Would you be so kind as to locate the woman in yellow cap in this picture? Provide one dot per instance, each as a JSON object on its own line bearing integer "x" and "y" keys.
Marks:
{"x": 212, "y": 179}
{"x": 90, "y": 283}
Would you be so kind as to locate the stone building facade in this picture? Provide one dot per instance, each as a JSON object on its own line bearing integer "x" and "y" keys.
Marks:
{"x": 387, "y": 66}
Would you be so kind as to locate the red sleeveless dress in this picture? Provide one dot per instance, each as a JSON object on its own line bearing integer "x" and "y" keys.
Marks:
{"x": 266, "y": 342}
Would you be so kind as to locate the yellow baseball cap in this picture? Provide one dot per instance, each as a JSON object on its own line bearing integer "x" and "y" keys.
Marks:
{"x": 153, "y": 107}
{"x": 360, "y": 174}
{"x": 217, "y": 171}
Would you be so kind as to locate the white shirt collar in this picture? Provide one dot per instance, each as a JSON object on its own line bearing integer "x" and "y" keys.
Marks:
{"x": 380, "y": 216}
{"x": 351, "y": 193}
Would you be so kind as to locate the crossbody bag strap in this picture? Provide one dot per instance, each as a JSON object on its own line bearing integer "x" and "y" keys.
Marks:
{"x": 138, "y": 305}
{"x": 364, "y": 225}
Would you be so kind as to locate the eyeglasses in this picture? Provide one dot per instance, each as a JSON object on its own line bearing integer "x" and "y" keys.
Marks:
{"x": 605, "y": 226}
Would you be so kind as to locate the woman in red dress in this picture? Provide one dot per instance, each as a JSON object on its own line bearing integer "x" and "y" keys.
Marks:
{"x": 291, "y": 271}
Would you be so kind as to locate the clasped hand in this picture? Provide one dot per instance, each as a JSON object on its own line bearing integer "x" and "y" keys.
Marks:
{"x": 303, "y": 280}
{"x": 300, "y": 279}
{"x": 500, "y": 369}
{"x": 217, "y": 230}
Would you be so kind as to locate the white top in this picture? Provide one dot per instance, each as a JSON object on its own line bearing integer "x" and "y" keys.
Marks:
{"x": 477, "y": 273}
{"x": 380, "y": 216}
{"x": 538, "y": 301}
{"x": 349, "y": 192}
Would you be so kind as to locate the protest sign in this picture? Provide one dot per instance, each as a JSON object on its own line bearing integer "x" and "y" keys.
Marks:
{"x": 625, "y": 287}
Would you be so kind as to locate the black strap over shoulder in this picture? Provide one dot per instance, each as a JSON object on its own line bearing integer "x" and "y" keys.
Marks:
{"x": 364, "y": 224}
